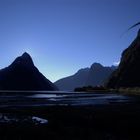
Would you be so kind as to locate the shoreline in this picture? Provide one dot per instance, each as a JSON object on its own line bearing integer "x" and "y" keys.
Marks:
{"x": 89, "y": 122}
{"x": 115, "y": 121}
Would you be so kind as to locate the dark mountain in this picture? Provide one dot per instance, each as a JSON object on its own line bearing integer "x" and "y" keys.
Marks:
{"x": 128, "y": 72}
{"x": 96, "y": 75}
{"x": 23, "y": 75}
{"x": 71, "y": 82}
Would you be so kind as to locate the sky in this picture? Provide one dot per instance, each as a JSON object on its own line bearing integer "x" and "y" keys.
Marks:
{"x": 63, "y": 36}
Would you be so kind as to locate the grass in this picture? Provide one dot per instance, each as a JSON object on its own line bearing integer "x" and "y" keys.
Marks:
{"x": 134, "y": 90}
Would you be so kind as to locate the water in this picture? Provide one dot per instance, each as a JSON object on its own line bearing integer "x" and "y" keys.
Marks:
{"x": 33, "y": 113}
{"x": 81, "y": 99}
{"x": 47, "y": 98}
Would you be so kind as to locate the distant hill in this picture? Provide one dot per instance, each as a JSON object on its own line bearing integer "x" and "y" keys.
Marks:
{"x": 71, "y": 82}
{"x": 95, "y": 75}
{"x": 98, "y": 74}
{"x": 23, "y": 75}
{"x": 128, "y": 72}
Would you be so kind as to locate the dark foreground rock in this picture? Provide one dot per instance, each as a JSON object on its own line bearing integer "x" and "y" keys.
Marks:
{"x": 23, "y": 75}
{"x": 128, "y": 72}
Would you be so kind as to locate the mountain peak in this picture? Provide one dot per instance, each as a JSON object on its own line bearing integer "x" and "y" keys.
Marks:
{"x": 22, "y": 74}
{"x": 96, "y": 66}
{"x": 25, "y": 60}
{"x": 25, "y": 54}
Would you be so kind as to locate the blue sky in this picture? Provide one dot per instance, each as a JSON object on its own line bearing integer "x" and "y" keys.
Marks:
{"x": 63, "y": 36}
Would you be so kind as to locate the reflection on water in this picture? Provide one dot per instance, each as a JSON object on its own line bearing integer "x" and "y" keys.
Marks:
{"x": 20, "y": 99}
{"x": 39, "y": 120}
{"x": 46, "y": 96}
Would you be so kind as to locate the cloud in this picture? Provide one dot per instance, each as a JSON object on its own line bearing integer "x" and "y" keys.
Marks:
{"x": 116, "y": 63}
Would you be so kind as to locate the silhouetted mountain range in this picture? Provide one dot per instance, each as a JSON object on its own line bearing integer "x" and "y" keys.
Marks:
{"x": 71, "y": 82}
{"x": 98, "y": 74}
{"x": 128, "y": 72}
{"x": 23, "y": 75}
{"x": 95, "y": 75}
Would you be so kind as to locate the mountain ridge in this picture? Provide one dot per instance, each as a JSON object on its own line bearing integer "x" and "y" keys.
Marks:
{"x": 81, "y": 77}
{"x": 127, "y": 73}
{"x": 22, "y": 74}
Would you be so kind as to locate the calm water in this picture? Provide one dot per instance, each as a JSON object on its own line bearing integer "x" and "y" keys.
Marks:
{"x": 39, "y": 98}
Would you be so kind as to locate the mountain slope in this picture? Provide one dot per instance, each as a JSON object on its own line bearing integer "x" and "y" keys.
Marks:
{"x": 96, "y": 75}
{"x": 23, "y": 75}
{"x": 128, "y": 72}
{"x": 76, "y": 80}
